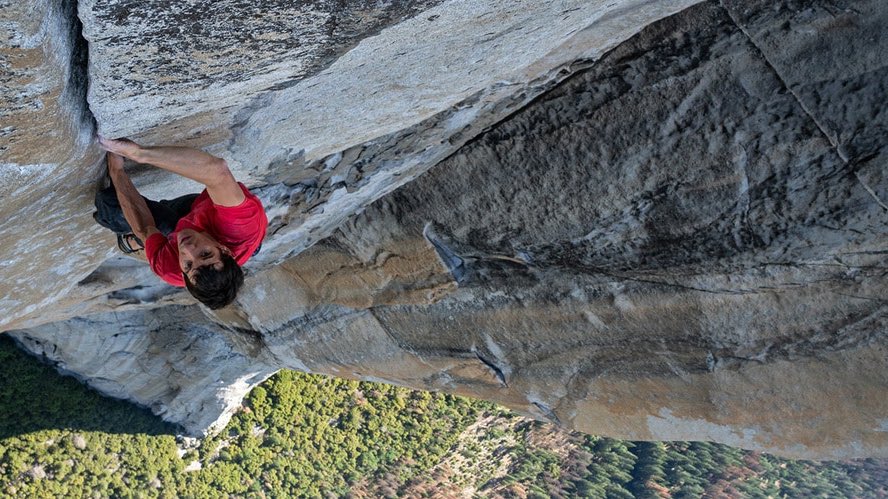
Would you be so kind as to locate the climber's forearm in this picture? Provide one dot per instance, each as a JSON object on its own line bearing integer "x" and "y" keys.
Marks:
{"x": 187, "y": 162}
{"x": 135, "y": 209}
{"x": 191, "y": 163}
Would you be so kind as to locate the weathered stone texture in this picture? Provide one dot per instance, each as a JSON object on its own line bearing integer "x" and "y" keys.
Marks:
{"x": 42, "y": 84}
{"x": 273, "y": 105}
{"x": 682, "y": 238}
{"x": 46, "y": 165}
{"x": 208, "y": 54}
{"x": 804, "y": 40}
{"x": 697, "y": 270}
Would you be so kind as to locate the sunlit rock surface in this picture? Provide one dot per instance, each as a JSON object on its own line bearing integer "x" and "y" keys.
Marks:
{"x": 634, "y": 220}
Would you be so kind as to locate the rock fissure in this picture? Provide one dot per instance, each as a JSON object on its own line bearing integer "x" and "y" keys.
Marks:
{"x": 870, "y": 191}
{"x": 823, "y": 130}
{"x": 859, "y": 297}
{"x": 79, "y": 72}
{"x": 493, "y": 367}
{"x": 620, "y": 277}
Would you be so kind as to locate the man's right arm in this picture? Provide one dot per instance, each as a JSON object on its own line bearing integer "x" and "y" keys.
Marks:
{"x": 195, "y": 164}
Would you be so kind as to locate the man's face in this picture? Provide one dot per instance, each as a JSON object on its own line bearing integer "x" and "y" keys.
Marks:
{"x": 198, "y": 249}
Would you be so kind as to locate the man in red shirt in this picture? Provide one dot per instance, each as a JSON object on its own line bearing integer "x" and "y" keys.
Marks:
{"x": 198, "y": 241}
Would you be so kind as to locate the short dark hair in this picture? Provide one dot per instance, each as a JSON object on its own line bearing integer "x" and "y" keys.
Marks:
{"x": 216, "y": 288}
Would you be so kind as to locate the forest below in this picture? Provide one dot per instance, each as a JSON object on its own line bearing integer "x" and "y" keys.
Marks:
{"x": 300, "y": 435}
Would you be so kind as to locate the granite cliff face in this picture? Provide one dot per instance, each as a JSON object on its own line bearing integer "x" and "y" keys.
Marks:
{"x": 647, "y": 220}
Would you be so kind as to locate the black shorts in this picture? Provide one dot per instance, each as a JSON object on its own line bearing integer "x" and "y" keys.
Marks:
{"x": 166, "y": 212}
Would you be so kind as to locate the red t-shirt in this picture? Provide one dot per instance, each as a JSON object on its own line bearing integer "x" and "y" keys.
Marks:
{"x": 241, "y": 228}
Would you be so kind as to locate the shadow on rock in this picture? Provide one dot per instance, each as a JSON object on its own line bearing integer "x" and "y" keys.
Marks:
{"x": 34, "y": 397}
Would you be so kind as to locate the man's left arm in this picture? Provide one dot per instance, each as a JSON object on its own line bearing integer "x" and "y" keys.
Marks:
{"x": 135, "y": 209}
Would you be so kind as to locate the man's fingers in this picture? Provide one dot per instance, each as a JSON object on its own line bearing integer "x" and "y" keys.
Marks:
{"x": 111, "y": 145}
{"x": 123, "y": 147}
{"x": 106, "y": 144}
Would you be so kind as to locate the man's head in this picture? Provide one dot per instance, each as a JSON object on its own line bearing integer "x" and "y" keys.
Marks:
{"x": 210, "y": 272}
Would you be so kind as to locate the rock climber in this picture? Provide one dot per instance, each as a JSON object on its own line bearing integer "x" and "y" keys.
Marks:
{"x": 198, "y": 240}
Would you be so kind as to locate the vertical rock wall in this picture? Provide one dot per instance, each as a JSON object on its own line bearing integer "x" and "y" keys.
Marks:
{"x": 47, "y": 239}
{"x": 321, "y": 120}
{"x": 183, "y": 368}
{"x": 666, "y": 246}
{"x": 683, "y": 238}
